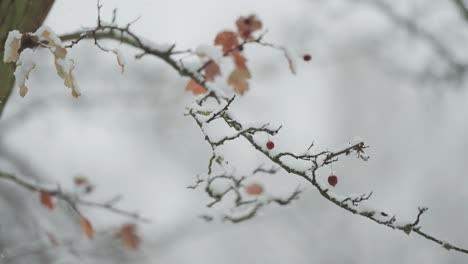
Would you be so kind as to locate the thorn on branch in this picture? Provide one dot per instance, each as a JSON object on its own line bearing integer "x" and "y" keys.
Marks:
{"x": 207, "y": 218}
{"x": 220, "y": 112}
{"x": 194, "y": 186}
{"x": 114, "y": 15}
{"x": 421, "y": 211}
{"x": 271, "y": 170}
{"x": 357, "y": 200}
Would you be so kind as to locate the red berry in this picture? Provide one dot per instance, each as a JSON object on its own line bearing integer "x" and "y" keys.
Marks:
{"x": 270, "y": 145}
{"x": 307, "y": 57}
{"x": 332, "y": 180}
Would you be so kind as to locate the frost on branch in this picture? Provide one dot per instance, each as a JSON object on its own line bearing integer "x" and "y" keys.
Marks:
{"x": 240, "y": 196}
{"x": 25, "y": 64}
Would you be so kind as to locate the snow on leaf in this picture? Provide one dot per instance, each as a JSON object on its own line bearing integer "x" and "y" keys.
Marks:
{"x": 45, "y": 33}
{"x": 128, "y": 236}
{"x": 240, "y": 62}
{"x": 12, "y": 45}
{"x": 63, "y": 66}
{"x": 211, "y": 71}
{"x": 214, "y": 53}
{"x": 86, "y": 227}
{"x": 120, "y": 59}
{"x": 254, "y": 189}
{"x": 228, "y": 40}
{"x": 247, "y": 25}
{"x": 238, "y": 79}
{"x": 194, "y": 87}
{"x": 25, "y": 64}
{"x": 65, "y": 70}
{"x": 46, "y": 200}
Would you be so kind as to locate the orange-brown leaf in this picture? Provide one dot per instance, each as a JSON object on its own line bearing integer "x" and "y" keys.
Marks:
{"x": 211, "y": 71}
{"x": 228, "y": 40}
{"x": 46, "y": 200}
{"x": 194, "y": 87}
{"x": 128, "y": 236}
{"x": 240, "y": 61}
{"x": 238, "y": 80}
{"x": 80, "y": 180}
{"x": 254, "y": 189}
{"x": 247, "y": 25}
{"x": 86, "y": 227}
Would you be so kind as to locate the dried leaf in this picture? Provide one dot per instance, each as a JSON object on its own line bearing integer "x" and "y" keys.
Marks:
{"x": 49, "y": 36}
{"x": 240, "y": 61}
{"x": 60, "y": 53}
{"x": 228, "y": 40}
{"x": 23, "y": 90}
{"x": 80, "y": 180}
{"x": 63, "y": 66}
{"x": 120, "y": 59}
{"x": 247, "y": 25}
{"x": 211, "y": 71}
{"x": 86, "y": 227}
{"x": 254, "y": 189}
{"x": 65, "y": 71}
{"x": 12, "y": 45}
{"x": 24, "y": 66}
{"x": 238, "y": 79}
{"x": 46, "y": 200}
{"x": 195, "y": 87}
{"x": 128, "y": 236}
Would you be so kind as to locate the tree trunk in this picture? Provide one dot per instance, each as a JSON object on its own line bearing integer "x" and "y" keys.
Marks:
{"x": 25, "y": 16}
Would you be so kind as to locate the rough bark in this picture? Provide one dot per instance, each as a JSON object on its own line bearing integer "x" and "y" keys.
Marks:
{"x": 25, "y": 16}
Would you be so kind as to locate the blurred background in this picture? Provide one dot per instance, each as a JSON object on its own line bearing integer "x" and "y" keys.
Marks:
{"x": 391, "y": 72}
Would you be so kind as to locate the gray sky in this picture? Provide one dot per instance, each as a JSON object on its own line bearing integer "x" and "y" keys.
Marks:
{"x": 127, "y": 133}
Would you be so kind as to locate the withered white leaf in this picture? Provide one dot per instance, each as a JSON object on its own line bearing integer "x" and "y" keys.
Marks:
{"x": 12, "y": 45}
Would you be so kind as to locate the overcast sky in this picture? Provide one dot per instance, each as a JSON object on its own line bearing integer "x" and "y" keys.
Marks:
{"x": 368, "y": 78}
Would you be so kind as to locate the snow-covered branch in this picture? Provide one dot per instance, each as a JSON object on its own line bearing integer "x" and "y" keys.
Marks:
{"x": 246, "y": 195}
{"x": 356, "y": 204}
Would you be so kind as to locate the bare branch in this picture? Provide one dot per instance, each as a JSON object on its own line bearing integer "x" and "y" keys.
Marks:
{"x": 72, "y": 200}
